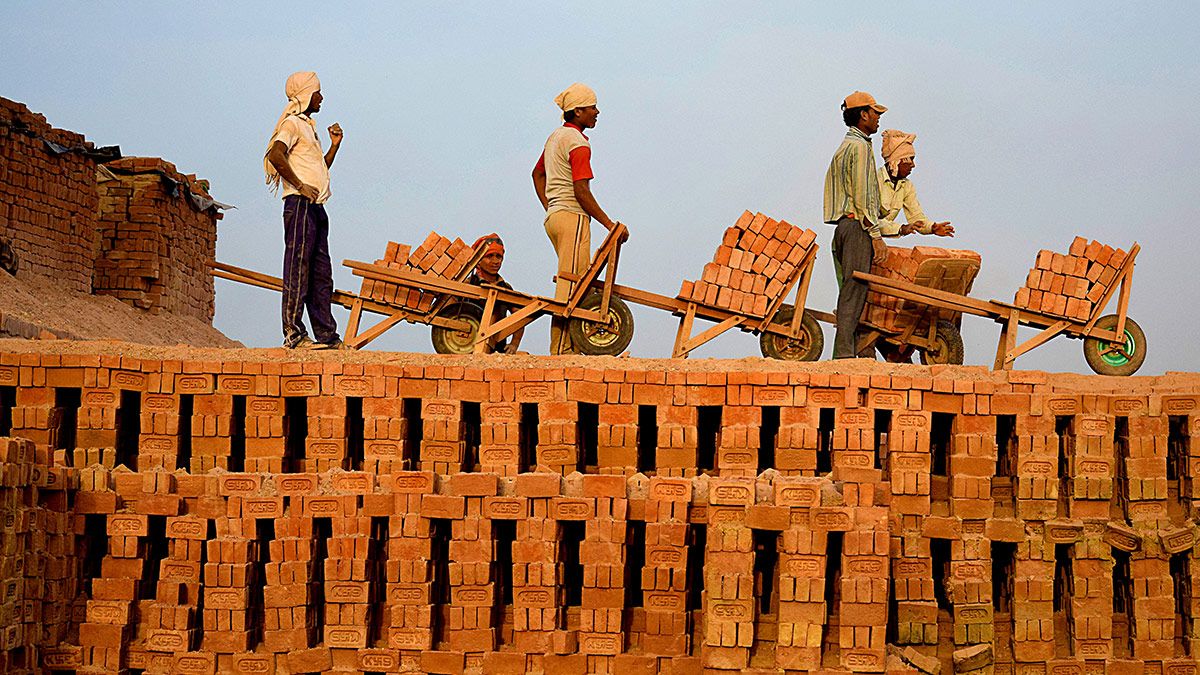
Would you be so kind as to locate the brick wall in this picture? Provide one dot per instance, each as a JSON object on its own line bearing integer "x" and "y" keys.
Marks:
{"x": 236, "y": 513}
{"x": 154, "y": 243}
{"x": 128, "y": 229}
{"x": 47, "y": 200}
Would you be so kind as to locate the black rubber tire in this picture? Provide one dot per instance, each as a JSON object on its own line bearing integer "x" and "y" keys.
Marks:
{"x": 1105, "y": 362}
{"x": 447, "y": 341}
{"x": 948, "y": 349}
{"x": 807, "y": 347}
{"x": 602, "y": 340}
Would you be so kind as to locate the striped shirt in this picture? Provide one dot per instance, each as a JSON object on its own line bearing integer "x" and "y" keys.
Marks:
{"x": 851, "y": 186}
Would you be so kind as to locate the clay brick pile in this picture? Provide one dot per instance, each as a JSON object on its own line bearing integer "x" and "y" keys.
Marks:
{"x": 111, "y": 229}
{"x": 38, "y": 564}
{"x": 940, "y": 268}
{"x": 751, "y": 266}
{"x": 1070, "y": 285}
{"x": 436, "y": 256}
{"x": 47, "y": 200}
{"x": 154, "y": 244}
{"x": 457, "y": 515}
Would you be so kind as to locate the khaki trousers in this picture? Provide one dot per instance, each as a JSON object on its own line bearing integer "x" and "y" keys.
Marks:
{"x": 571, "y": 235}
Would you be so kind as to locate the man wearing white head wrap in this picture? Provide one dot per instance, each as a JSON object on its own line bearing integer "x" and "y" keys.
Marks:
{"x": 295, "y": 162}
{"x": 562, "y": 181}
{"x": 896, "y": 192}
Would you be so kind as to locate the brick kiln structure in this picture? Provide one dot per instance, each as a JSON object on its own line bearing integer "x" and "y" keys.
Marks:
{"x": 134, "y": 228}
{"x": 229, "y": 511}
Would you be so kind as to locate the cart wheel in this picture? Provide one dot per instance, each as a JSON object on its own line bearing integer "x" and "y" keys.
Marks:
{"x": 807, "y": 347}
{"x": 447, "y": 341}
{"x": 598, "y": 339}
{"x": 1112, "y": 358}
{"x": 948, "y": 346}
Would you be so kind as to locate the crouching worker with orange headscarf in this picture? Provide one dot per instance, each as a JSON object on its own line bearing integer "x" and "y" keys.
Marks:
{"x": 897, "y": 192}
{"x": 487, "y": 273}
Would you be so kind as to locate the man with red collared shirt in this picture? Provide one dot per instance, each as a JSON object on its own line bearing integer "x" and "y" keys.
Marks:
{"x": 562, "y": 182}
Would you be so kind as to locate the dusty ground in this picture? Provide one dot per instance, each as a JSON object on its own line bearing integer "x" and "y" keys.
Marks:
{"x": 33, "y": 306}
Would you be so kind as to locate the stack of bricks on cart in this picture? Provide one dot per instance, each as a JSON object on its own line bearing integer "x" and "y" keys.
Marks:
{"x": 918, "y": 265}
{"x": 436, "y": 256}
{"x": 237, "y": 511}
{"x": 116, "y": 228}
{"x": 750, "y": 268}
{"x": 1069, "y": 286}
{"x": 154, "y": 242}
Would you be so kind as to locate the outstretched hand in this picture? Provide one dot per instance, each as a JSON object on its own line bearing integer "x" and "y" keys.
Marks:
{"x": 943, "y": 229}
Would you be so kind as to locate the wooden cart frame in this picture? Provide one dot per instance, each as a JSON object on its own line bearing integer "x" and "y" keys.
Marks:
{"x": 1114, "y": 342}
{"x": 345, "y": 299}
{"x": 527, "y": 307}
{"x": 766, "y": 324}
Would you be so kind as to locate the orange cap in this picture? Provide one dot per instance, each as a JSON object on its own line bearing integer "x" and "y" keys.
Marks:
{"x": 860, "y": 99}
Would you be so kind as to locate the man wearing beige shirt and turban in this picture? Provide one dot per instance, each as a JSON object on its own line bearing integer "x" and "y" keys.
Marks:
{"x": 295, "y": 162}
{"x": 562, "y": 180}
{"x": 896, "y": 192}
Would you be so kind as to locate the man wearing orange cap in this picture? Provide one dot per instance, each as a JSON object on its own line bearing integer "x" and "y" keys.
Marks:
{"x": 562, "y": 180}
{"x": 295, "y": 162}
{"x": 852, "y": 205}
{"x": 897, "y": 192}
{"x": 487, "y": 272}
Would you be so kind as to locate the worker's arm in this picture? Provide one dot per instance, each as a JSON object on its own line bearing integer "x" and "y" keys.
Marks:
{"x": 514, "y": 342}
{"x": 539, "y": 181}
{"x": 583, "y": 195}
{"x": 335, "y": 142}
{"x": 277, "y": 156}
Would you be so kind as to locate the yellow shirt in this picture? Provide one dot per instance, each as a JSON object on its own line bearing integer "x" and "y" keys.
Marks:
{"x": 896, "y": 196}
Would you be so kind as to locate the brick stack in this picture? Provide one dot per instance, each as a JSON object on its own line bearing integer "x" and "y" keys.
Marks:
{"x": 287, "y": 617}
{"x": 921, "y": 265}
{"x": 751, "y": 266}
{"x": 36, "y": 555}
{"x": 500, "y": 438}
{"x": 228, "y": 577}
{"x": 117, "y": 229}
{"x": 212, "y": 432}
{"x": 155, "y": 244}
{"x": 47, "y": 200}
{"x": 442, "y": 443}
{"x": 346, "y": 585}
{"x": 169, "y": 623}
{"x": 437, "y": 256}
{"x": 1069, "y": 285}
{"x": 602, "y": 553}
{"x": 664, "y": 576}
{"x": 1020, "y": 520}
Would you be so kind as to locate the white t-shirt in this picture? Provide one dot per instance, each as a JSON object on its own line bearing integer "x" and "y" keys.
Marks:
{"x": 304, "y": 155}
{"x": 567, "y": 158}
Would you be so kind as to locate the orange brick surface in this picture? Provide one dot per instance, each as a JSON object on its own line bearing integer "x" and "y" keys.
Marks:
{"x": 904, "y": 517}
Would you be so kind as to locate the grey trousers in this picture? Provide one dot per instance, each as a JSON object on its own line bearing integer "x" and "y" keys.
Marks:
{"x": 852, "y": 252}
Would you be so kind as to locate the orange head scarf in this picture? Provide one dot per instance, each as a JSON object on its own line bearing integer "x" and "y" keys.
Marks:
{"x": 493, "y": 244}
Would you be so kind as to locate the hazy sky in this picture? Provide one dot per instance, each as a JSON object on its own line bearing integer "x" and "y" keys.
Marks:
{"x": 1036, "y": 122}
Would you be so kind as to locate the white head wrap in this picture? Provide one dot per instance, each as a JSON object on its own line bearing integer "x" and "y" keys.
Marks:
{"x": 299, "y": 89}
{"x": 897, "y": 145}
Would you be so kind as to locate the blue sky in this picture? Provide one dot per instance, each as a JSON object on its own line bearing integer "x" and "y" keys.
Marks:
{"x": 1035, "y": 121}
